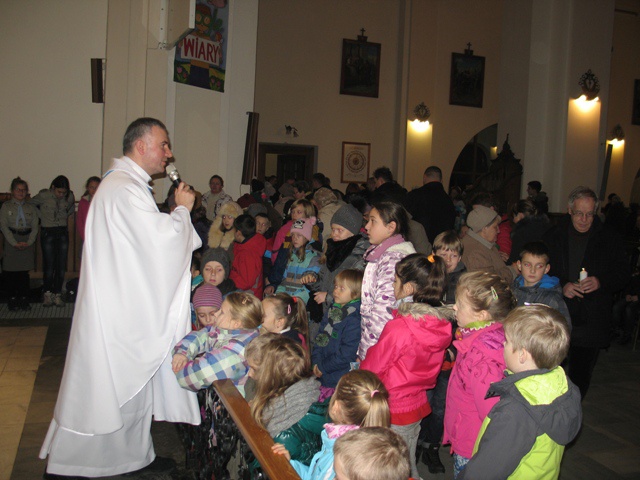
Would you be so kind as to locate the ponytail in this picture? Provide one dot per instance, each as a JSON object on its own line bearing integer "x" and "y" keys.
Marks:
{"x": 428, "y": 274}
{"x": 363, "y": 398}
{"x": 294, "y": 311}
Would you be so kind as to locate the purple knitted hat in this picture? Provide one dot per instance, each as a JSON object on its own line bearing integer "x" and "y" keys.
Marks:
{"x": 207, "y": 295}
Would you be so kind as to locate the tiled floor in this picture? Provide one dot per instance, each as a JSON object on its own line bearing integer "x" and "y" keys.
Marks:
{"x": 32, "y": 358}
{"x": 20, "y": 353}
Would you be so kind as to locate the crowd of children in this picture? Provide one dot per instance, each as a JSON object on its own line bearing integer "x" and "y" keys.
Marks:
{"x": 408, "y": 351}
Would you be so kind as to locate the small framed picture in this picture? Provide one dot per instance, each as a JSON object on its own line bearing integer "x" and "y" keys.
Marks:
{"x": 360, "y": 68}
{"x": 356, "y": 158}
{"x": 467, "y": 80}
{"x": 635, "y": 115}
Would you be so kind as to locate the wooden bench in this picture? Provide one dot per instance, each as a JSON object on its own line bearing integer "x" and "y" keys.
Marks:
{"x": 274, "y": 467}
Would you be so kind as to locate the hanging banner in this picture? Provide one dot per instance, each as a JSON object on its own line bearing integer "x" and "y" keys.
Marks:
{"x": 201, "y": 56}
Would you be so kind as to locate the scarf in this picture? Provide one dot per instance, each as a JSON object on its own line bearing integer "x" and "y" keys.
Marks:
{"x": 338, "y": 251}
{"x": 289, "y": 408}
{"x": 336, "y": 314}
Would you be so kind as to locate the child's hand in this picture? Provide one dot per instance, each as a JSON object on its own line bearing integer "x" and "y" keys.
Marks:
{"x": 269, "y": 290}
{"x": 279, "y": 449}
{"x": 308, "y": 278}
{"x": 316, "y": 371}
{"x": 320, "y": 297}
{"x": 178, "y": 362}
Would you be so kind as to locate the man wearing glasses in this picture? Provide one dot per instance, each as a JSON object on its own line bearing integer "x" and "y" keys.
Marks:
{"x": 590, "y": 261}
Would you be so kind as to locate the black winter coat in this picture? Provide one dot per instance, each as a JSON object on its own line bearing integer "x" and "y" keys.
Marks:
{"x": 604, "y": 258}
{"x": 432, "y": 207}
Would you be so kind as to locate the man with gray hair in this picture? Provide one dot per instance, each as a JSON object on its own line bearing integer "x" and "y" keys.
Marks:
{"x": 132, "y": 308}
{"x": 590, "y": 260}
{"x": 430, "y": 205}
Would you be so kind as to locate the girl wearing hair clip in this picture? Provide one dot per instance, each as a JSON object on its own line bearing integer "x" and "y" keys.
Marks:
{"x": 287, "y": 316}
{"x": 360, "y": 400}
{"x": 483, "y": 300}
{"x": 410, "y": 352}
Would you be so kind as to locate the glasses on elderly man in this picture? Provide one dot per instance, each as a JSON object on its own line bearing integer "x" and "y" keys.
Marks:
{"x": 579, "y": 214}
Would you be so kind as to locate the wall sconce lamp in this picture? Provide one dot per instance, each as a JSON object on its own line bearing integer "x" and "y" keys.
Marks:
{"x": 421, "y": 114}
{"x": 590, "y": 86}
{"x": 291, "y": 130}
{"x": 617, "y": 136}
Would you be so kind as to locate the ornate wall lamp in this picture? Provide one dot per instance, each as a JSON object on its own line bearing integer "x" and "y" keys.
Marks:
{"x": 590, "y": 86}
{"x": 617, "y": 136}
{"x": 421, "y": 114}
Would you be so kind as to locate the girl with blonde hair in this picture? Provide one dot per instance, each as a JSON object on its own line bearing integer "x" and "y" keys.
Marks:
{"x": 286, "y": 394}
{"x": 360, "y": 400}
{"x": 483, "y": 300}
{"x": 300, "y": 209}
{"x": 217, "y": 351}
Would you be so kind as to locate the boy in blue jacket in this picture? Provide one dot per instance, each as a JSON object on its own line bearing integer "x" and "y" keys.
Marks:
{"x": 336, "y": 344}
{"x": 533, "y": 285}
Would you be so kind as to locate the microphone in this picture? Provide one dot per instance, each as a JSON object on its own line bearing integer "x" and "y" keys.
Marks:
{"x": 173, "y": 174}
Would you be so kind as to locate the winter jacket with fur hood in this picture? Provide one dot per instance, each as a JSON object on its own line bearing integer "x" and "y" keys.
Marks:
{"x": 377, "y": 288}
{"x": 218, "y": 238}
{"x": 408, "y": 357}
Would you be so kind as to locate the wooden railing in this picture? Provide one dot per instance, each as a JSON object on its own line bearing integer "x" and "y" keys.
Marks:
{"x": 275, "y": 467}
{"x": 229, "y": 443}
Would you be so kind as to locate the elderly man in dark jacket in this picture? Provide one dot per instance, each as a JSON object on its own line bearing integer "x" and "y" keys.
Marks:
{"x": 431, "y": 205}
{"x": 590, "y": 261}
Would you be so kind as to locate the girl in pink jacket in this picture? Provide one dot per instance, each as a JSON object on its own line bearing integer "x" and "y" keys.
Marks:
{"x": 388, "y": 226}
{"x": 409, "y": 354}
{"x": 483, "y": 300}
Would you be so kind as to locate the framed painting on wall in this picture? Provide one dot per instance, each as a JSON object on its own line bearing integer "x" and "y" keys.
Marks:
{"x": 635, "y": 115}
{"x": 467, "y": 80}
{"x": 360, "y": 68}
{"x": 356, "y": 158}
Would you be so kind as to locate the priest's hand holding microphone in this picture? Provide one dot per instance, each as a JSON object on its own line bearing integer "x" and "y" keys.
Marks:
{"x": 184, "y": 195}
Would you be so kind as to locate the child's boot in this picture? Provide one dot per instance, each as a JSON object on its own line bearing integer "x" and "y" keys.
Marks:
{"x": 431, "y": 458}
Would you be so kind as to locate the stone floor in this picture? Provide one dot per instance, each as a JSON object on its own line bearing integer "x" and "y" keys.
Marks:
{"x": 32, "y": 352}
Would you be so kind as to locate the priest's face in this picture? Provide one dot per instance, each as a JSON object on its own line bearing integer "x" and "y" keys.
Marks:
{"x": 156, "y": 151}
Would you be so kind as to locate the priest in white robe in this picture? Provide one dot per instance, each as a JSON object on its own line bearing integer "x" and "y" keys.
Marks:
{"x": 132, "y": 308}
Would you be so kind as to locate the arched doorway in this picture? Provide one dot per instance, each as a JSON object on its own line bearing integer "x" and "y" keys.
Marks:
{"x": 475, "y": 158}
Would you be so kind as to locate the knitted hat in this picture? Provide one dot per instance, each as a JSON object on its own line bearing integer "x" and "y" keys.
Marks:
{"x": 286, "y": 190}
{"x": 324, "y": 196}
{"x": 481, "y": 217}
{"x": 207, "y": 295}
{"x": 304, "y": 227}
{"x": 219, "y": 255}
{"x": 348, "y": 217}
{"x": 256, "y": 208}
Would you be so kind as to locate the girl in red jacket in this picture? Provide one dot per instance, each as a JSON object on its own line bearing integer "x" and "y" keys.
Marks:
{"x": 409, "y": 354}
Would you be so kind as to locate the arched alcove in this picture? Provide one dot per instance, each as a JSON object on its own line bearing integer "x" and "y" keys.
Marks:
{"x": 475, "y": 158}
